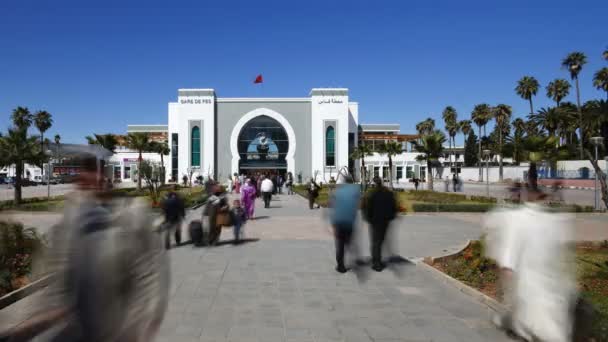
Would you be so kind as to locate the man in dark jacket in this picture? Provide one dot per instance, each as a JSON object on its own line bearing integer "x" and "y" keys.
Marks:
{"x": 175, "y": 211}
{"x": 380, "y": 210}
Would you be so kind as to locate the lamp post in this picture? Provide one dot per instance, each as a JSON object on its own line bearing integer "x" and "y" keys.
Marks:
{"x": 48, "y": 175}
{"x": 597, "y": 141}
{"x": 486, "y": 155}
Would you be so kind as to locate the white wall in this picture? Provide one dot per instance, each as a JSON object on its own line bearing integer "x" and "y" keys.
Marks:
{"x": 509, "y": 172}
{"x": 575, "y": 165}
{"x": 180, "y": 114}
{"x": 323, "y": 108}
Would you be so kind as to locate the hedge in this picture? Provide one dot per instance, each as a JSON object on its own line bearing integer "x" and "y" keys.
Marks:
{"x": 452, "y": 207}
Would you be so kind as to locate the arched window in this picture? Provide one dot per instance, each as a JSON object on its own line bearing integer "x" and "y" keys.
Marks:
{"x": 195, "y": 143}
{"x": 330, "y": 146}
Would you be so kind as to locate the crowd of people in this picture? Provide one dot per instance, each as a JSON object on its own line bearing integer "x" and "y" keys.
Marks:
{"x": 112, "y": 271}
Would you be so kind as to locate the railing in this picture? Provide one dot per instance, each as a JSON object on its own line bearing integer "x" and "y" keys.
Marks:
{"x": 583, "y": 173}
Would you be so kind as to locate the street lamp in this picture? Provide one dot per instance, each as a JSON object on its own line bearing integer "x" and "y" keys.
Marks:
{"x": 48, "y": 175}
{"x": 597, "y": 141}
{"x": 486, "y": 154}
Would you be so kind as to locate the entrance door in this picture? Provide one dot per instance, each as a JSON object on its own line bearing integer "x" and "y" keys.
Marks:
{"x": 263, "y": 146}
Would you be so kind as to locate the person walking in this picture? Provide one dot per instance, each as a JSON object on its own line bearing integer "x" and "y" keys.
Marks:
{"x": 344, "y": 205}
{"x": 239, "y": 217}
{"x": 416, "y": 183}
{"x": 380, "y": 209}
{"x": 267, "y": 188}
{"x": 229, "y": 185}
{"x": 175, "y": 211}
{"x": 237, "y": 183}
{"x": 313, "y": 192}
{"x": 289, "y": 183}
{"x": 248, "y": 195}
{"x": 217, "y": 209}
{"x": 280, "y": 183}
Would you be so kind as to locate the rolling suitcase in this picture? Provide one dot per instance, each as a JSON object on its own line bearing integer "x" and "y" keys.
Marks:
{"x": 196, "y": 232}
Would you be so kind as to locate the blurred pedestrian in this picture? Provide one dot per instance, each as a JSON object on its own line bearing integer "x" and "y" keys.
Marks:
{"x": 289, "y": 183}
{"x": 531, "y": 247}
{"x": 239, "y": 217}
{"x": 237, "y": 183}
{"x": 280, "y": 182}
{"x": 99, "y": 246}
{"x": 416, "y": 183}
{"x": 267, "y": 188}
{"x": 248, "y": 195}
{"x": 446, "y": 183}
{"x": 380, "y": 209}
{"x": 229, "y": 185}
{"x": 218, "y": 211}
{"x": 312, "y": 189}
{"x": 175, "y": 211}
{"x": 344, "y": 203}
{"x": 454, "y": 182}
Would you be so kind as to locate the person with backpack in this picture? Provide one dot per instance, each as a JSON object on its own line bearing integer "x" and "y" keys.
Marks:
{"x": 174, "y": 210}
{"x": 313, "y": 192}
{"x": 380, "y": 209}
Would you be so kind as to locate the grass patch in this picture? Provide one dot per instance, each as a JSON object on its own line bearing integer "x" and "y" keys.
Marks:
{"x": 472, "y": 268}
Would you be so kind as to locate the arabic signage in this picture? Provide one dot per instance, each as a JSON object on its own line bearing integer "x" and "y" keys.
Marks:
{"x": 332, "y": 100}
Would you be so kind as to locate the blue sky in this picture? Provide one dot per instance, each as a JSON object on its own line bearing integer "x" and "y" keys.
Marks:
{"x": 100, "y": 65}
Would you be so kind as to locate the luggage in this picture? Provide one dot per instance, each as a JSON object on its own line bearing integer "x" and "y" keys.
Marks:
{"x": 196, "y": 232}
{"x": 224, "y": 219}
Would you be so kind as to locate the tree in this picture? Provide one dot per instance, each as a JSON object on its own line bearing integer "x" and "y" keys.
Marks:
{"x": 391, "y": 149}
{"x": 425, "y": 127}
{"x": 527, "y": 87}
{"x": 574, "y": 63}
{"x": 470, "y": 153}
{"x": 43, "y": 121}
{"x": 600, "y": 80}
{"x": 162, "y": 148}
{"x": 502, "y": 113}
{"x": 140, "y": 142}
{"x": 605, "y": 54}
{"x": 431, "y": 149}
{"x": 540, "y": 148}
{"x": 107, "y": 141}
{"x": 558, "y": 89}
{"x": 451, "y": 126}
{"x": 547, "y": 119}
{"x": 481, "y": 115}
{"x": 464, "y": 127}
{"x": 519, "y": 128}
{"x": 153, "y": 175}
{"x": 57, "y": 143}
{"x": 16, "y": 148}
{"x": 360, "y": 152}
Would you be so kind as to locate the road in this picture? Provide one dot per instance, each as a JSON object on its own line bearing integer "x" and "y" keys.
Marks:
{"x": 570, "y": 196}
{"x": 7, "y": 192}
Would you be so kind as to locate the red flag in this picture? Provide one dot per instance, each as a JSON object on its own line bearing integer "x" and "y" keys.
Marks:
{"x": 258, "y": 79}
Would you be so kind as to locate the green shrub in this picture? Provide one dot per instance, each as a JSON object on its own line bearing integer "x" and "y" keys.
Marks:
{"x": 483, "y": 199}
{"x": 17, "y": 247}
{"x": 435, "y": 197}
{"x": 452, "y": 207}
{"x": 32, "y": 202}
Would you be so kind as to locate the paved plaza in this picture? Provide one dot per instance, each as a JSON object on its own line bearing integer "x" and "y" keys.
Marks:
{"x": 282, "y": 286}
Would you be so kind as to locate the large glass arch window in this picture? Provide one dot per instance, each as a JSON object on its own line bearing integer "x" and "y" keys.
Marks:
{"x": 263, "y": 144}
{"x": 330, "y": 146}
{"x": 195, "y": 142}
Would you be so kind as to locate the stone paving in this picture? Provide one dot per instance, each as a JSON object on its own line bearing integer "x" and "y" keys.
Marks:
{"x": 282, "y": 287}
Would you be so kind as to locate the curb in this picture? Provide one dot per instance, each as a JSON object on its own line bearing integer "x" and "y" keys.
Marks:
{"x": 478, "y": 296}
{"x": 12, "y": 297}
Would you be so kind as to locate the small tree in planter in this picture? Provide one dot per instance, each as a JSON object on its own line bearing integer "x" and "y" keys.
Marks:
{"x": 152, "y": 175}
{"x": 17, "y": 246}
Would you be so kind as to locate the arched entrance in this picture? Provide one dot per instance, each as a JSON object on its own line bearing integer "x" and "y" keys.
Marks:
{"x": 263, "y": 140}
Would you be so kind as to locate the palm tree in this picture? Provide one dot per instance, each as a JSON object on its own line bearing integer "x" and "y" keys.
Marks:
{"x": 22, "y": 118}
{"x": 57, "y": 143}
{"x": 140, "y": 142}
{"x": 43, "y": 121}
{"x": 162, "y": 148}
{"x": 391, "y": 149}
{"x": 360, "y": 152}
{"x": 519, "y": 127}
{"x": 547, "y": 119}
{"x": 527, "y": 87}
{"x": 107, "y": 141}
{"x": 451, "y": 126}
{"x": 502, "y": 113}
{"x": 464, "y": 127}
{"x": 600, "y": 80}
{"x": 480, "y": 116}
{"x": 431, "y": 149}
{"x": 16, "y": 148}
{"x": 605, "y": 54}
{"x": 574, "y": 63}
{"x": 426, "y": 126}
{"x": 558, "y": 89}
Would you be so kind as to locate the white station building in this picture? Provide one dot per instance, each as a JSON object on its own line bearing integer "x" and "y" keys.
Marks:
{"x": 307, "y": 136}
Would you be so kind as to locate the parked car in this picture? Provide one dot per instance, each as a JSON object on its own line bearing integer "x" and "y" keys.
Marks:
{"x": 28, "y": 182}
